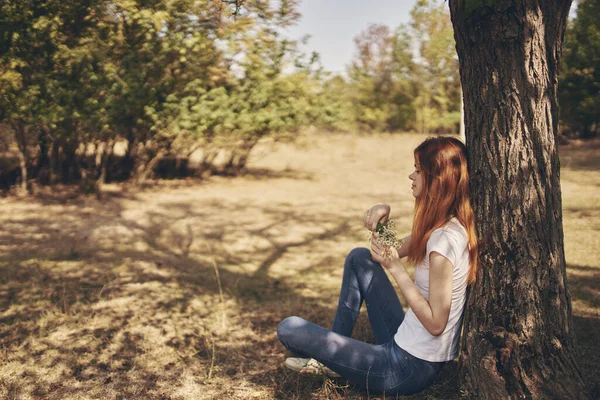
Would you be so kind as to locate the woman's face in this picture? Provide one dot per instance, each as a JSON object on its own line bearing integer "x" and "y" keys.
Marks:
{"x": 417, "y": 180}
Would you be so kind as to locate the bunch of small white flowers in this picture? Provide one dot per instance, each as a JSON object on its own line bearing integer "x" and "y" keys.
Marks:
{"x": 387, "y": 237}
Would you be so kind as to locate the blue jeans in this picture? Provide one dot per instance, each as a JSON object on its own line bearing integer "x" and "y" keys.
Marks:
{"x": 383, "y": 367}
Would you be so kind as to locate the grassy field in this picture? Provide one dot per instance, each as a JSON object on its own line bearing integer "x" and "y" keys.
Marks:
{"x": 175, "y": 292}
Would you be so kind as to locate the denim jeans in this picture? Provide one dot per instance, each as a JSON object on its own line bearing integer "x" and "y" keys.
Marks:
{"x": 383, "y": 367}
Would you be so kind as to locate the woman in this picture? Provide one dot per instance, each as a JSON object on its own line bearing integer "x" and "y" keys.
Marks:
{"x": 410, "y": 348}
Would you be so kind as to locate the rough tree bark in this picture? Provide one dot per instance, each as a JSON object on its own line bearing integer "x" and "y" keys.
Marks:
{"x": 518, "y": 339}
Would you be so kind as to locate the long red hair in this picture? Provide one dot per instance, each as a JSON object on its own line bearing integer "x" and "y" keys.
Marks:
{"x": 442, "y": 162}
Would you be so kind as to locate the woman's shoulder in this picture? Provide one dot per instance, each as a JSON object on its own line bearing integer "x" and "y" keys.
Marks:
{"x": 449, "y": 240}
{"x": 455, "y": 226}
{"x": 451, "y": 229}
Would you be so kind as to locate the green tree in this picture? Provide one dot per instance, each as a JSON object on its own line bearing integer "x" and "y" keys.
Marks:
{"x": 380, "y": 78}
{"x": 408, "y": 79}
{"x": 579, "y": 90}
{"x": 333, "y": 104}
{"x": 437, "y": 103}
{"x": 44, "y": 61}
{"x": 270, "y": 89}
{"x": 75, "y": 74}
{"x": 152, "y": 51}
{"x": 166, "y": 78}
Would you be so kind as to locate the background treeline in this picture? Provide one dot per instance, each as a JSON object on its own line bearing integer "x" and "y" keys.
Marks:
{"x": 86, "y": 82}
{"x": 99, "y": 90}
{"x": 579, "y": 85}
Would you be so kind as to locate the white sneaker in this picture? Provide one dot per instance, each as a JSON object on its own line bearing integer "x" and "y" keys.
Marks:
{"x": 309, "y": 366}
{"x": 296, "y": 363}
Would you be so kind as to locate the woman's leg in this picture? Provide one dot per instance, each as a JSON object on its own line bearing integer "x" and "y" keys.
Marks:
{"x": 376, "y": 367}
{"x": 366, "y": 280}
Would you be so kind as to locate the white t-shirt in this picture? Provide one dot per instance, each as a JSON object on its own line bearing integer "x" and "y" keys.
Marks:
{"x": 450, "y": 241}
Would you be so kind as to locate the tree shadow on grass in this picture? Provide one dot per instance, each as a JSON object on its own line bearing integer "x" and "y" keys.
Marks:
{"x": 586, "y": 334}
{"x": 177, "y": 298}
{"x": 133, "y": 306}
{"x": 265, "y": 173}
{"x": 89, "y": 296}
{"x": 584, "y": 286}
{"x": 580, "y": 155}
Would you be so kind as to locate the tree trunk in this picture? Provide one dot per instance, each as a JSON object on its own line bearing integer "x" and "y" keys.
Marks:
{"x": 206, "y": 167}
{"x": 21, "y": 131}
{"x": 23, "y": 166}
{"x": 518, "y": 340}
{"x": 240, "y": 155}
{"x": 461, "y": 129}
{"x": 145, "y": 169}
{"x": 55, "y": 156}
{"x": 107, "y": 151}
{"x": 42, "y": 167}
{"x": 70, "y": 163}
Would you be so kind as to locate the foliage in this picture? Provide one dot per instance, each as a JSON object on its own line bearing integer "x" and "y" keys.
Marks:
{"x": 380, "y": 87}
{"x": 407, "y": 78}
{"x": 170, "y": 78}
{"x": 438, "y": 99}
{"x": 579, "y": 88}
{"x": 164, "y": 77}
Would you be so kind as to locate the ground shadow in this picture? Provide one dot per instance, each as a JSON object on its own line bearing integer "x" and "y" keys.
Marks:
{"x": 125, "y": 304}
{"x": 580, "y": 155}
{"x": 131, "y": 277}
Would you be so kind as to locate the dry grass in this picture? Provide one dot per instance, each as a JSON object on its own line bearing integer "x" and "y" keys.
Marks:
{"x": 175, "y": 292}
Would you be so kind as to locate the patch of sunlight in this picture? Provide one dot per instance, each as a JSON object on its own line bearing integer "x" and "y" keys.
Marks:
{"x": 62, "y": 334}
{"x": 582, "y": 309}
{"x": 153, "y": 286}
{"x": 53, "y": 369}
{"x": 13, "y": 309}
{"x": 67, "y": 269}
{"x": 50, "y": 318}
{"x": 150, "y": 268}
{"x": 222, "y": 317}
{"x": 155, "y": 353}
{"x": 246, "y": 242}
{"x": 310, "y": 293}
{"x": 190, "y": 387}
{"x": 107, "y": 235}
{"x": 197, "y": 304}
{"x": 117, "y": 303}
{"x": 6, "y": 249}
{"x": 16, "y": 228}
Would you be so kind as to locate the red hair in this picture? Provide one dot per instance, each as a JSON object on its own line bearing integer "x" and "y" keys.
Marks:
{"x": 442, "y": 162}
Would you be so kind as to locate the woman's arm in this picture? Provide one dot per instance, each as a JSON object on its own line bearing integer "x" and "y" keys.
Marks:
{"x": 375, "y": 214}
{"x": 381, "y": 213}
{"x": 403, "y": 250}
{"x": 432, "y": 313}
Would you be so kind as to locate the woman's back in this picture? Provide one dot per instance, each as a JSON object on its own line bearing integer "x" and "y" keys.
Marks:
{"x": 450, "y": 241}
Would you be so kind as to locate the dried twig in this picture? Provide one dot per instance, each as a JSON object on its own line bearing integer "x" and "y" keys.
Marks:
{"x": 214, "y": 263}
{"x": 213, "y": 358}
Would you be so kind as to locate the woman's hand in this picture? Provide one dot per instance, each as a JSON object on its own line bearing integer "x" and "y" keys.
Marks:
{"x": 387, "y": 257}
{"x": 374, "y": 215}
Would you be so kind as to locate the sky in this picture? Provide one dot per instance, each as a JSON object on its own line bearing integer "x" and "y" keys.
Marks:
{"x": 333, "y": 24}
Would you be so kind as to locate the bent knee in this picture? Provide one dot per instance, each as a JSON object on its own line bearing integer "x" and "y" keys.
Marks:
{"x": 360, "y": 253}
{"x": 288, "y": 326}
